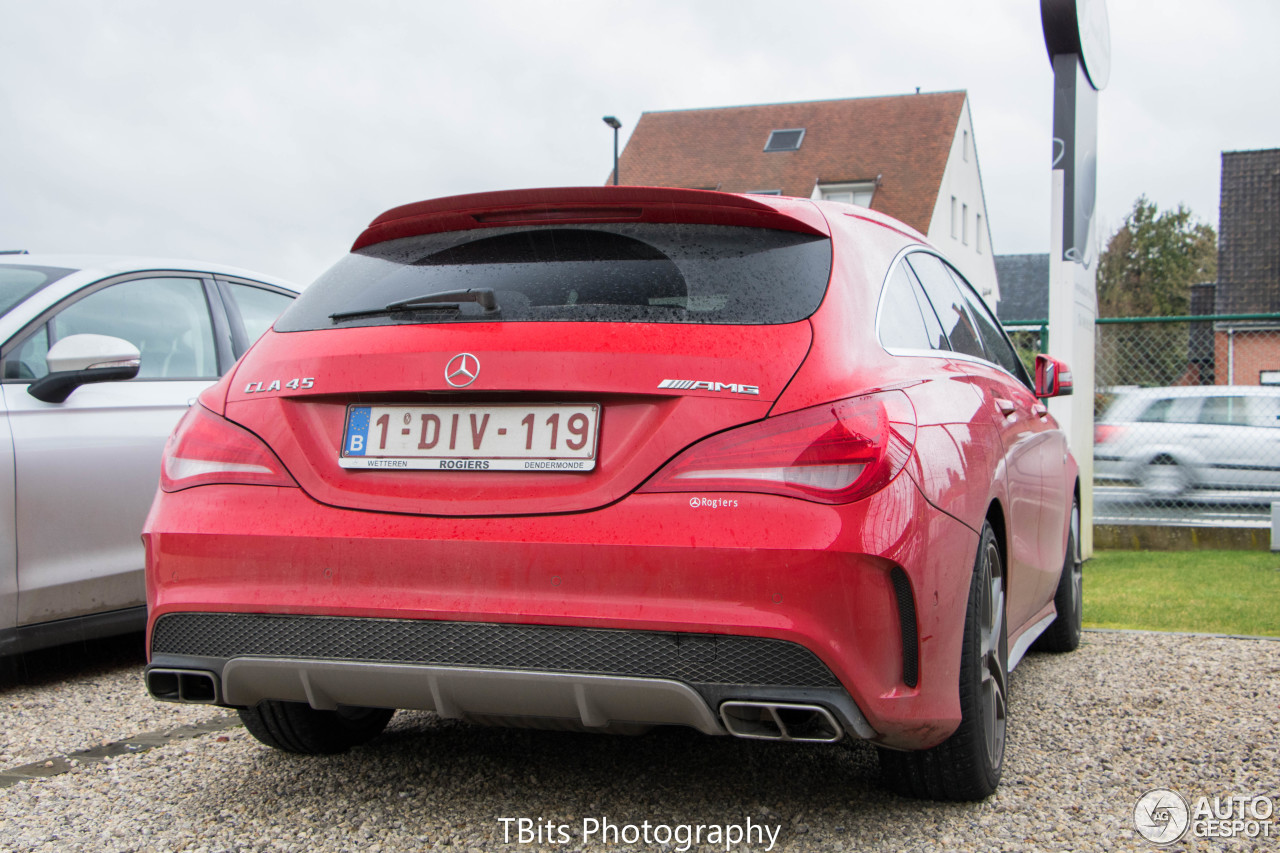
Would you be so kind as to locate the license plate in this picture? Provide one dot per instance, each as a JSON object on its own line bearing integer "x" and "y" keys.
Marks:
{"x": 513, "y": 437}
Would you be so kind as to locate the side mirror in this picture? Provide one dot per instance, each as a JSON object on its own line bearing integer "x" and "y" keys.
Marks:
{"x": 1053, "y": 377}
{"x": 82, "y": 359}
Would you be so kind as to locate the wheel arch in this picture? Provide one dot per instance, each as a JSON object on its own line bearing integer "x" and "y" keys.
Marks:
{"x": 996, "y": 518}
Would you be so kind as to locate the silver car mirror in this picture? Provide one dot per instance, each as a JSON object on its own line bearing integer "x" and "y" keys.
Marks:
{"x": 82, "y": 359}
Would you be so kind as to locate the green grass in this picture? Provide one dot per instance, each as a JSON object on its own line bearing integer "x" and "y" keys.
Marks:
{"x": 1221, "y": 592}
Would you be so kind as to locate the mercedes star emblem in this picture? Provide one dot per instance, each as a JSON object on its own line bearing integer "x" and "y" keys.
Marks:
{"x": 462, "y": 370}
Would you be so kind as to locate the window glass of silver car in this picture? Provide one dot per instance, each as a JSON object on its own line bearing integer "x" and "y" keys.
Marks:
{"x": 258, "y": 307}
{"x": 19, "y": 282}
{"x": 1241, "y": 411}
{"x": 167, "y": 319}
{"x": 638, "y": 272}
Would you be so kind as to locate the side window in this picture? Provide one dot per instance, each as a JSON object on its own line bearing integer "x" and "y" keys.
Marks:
{"x": 948, "y": 304}
{"x": 1184, "y": 410}
{"x": 1224, "y": 410}
{"x": 1264, "y": 411}
{"x": 258, "y": 307}
{"x": 1157, "y": 412}
{"x": 994, "y": 341}
{"x": 167, "y": 319}
{"x": 27, "y": 362}
{"x": 937, "y": 338}
{"x": 901, "y": 324}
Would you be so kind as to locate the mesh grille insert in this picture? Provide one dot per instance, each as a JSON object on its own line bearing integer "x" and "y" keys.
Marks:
{"x": 692, "y": 658}
{"x": 907, "y": 623}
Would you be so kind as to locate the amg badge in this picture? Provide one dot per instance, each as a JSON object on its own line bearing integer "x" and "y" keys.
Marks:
{"x": 694, "y": 385}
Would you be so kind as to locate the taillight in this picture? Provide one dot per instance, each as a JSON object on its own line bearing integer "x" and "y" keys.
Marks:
{"x": 1102, "y": 433}
{"x": 206, "y": 449}
{"x": 834, "y": 453}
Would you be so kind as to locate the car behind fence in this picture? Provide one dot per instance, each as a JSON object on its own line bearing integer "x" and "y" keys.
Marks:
{"x": 1187, "y": 417}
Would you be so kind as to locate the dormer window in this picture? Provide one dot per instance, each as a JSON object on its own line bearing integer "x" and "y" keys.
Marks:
{"x": 785, "y": 140}
{"x": 858, "y": 193}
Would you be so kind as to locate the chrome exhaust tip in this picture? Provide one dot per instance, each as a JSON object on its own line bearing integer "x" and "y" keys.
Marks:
{"x": 183, "y": 685}
{"x": 780, "y": 721}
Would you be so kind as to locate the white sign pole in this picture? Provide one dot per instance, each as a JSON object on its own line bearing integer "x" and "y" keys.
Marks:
{"x": 1072, "y": 312}
{"x": 1078, "y": 37}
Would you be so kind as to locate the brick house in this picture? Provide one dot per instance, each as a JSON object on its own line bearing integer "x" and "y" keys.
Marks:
{"x": 912, "y": 157}
{"x": 1247, "y": 352}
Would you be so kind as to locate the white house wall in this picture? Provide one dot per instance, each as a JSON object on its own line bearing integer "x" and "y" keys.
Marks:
{"x": 962, "y": 180}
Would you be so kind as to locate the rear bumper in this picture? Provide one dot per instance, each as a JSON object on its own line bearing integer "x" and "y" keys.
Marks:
{"x": 652, "y": 610}
{"x": 484, "y": 671}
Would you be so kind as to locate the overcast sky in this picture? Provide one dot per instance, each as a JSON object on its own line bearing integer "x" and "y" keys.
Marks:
{"x": 267, "y": 134}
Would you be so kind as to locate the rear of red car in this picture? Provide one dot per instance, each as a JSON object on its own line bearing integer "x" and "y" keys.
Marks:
{"x": 602, "y": 458}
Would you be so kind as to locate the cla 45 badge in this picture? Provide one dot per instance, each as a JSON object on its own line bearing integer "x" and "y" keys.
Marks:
{"x": 275, "y": 385}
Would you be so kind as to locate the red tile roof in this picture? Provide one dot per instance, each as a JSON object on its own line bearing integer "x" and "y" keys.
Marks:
{"x": 904, "y": 138}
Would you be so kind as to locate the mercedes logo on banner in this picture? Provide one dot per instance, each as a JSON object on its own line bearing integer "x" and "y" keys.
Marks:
{"x": 462, "y": 370}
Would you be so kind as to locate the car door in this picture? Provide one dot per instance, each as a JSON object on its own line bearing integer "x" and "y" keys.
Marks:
{"x": 8, "y": 553}
{"x": 1238, "y": 437}
{"x": 1023, "y": 424}
{"x": 85, "y": 470}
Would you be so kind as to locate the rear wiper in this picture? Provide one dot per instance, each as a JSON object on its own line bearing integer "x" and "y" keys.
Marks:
{"x": 443, "y": 301}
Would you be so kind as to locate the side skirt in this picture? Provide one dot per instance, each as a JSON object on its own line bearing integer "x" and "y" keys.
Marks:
{"x": 1019, "y": 647}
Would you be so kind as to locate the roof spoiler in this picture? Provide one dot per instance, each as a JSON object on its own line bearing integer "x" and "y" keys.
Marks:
{"x": 581, "y": 205}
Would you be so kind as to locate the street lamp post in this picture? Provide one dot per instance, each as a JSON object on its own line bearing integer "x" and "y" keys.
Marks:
{"x": 615, "y": 124}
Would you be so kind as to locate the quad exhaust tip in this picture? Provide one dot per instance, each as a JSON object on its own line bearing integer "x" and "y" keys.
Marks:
{"x": 780, "y": 721}
{"x": 183, "y": 685}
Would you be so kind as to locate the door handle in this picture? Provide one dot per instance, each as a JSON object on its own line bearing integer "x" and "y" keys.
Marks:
{"x": 1006, "y": 407}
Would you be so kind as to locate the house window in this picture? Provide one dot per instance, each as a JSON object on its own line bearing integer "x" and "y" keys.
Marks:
{"x": 977, "y": 233}
{"x": 785, "y": 140}
{"x": 965, "y": 145}
{"x": 955, "y": 224}
{"x": 856, "y": 193}
{"x": 964, "y": 224}
{"x": 764, "y": 192}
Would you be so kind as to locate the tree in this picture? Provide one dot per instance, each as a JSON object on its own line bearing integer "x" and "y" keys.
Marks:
{"x": 1147, "y": 270}
{"x": 1150, "y": 264}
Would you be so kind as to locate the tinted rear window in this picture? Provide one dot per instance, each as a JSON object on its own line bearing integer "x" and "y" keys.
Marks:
{"x": 637, "y": 272}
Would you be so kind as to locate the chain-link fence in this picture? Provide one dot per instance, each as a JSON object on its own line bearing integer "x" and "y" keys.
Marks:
{"x": 1187, "y": 420}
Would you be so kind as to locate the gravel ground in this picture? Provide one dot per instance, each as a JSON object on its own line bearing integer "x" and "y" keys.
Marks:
{"x": 80, "y": 696}
{"x": 1091, "y": 732}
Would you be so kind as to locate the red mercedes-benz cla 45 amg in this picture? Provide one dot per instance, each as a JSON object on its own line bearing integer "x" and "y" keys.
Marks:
{"x": 619, "y": 457}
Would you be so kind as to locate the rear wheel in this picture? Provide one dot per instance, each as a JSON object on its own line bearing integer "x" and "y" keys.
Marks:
{"x": 1064, "y": 634}
{"x": 297, "y": 727}
{"x": 967, "y": 765}
{"x": 1164, "y": 478}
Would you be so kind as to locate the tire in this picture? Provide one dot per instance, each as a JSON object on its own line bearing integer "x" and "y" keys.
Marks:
{"x": 1164, "y": 479}
{"x": 297, "y": 727}
{"x": 967, "y": 765}
{"x": 1063, "y": 635}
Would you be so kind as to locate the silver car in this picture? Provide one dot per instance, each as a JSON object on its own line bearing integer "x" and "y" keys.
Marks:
{"x": 99, "y": 358}
{"x": 1170, "y": 440}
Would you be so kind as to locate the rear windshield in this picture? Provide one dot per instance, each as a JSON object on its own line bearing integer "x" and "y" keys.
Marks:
{"x": 636, "y": 272}
{"x": 18, "y": 281}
